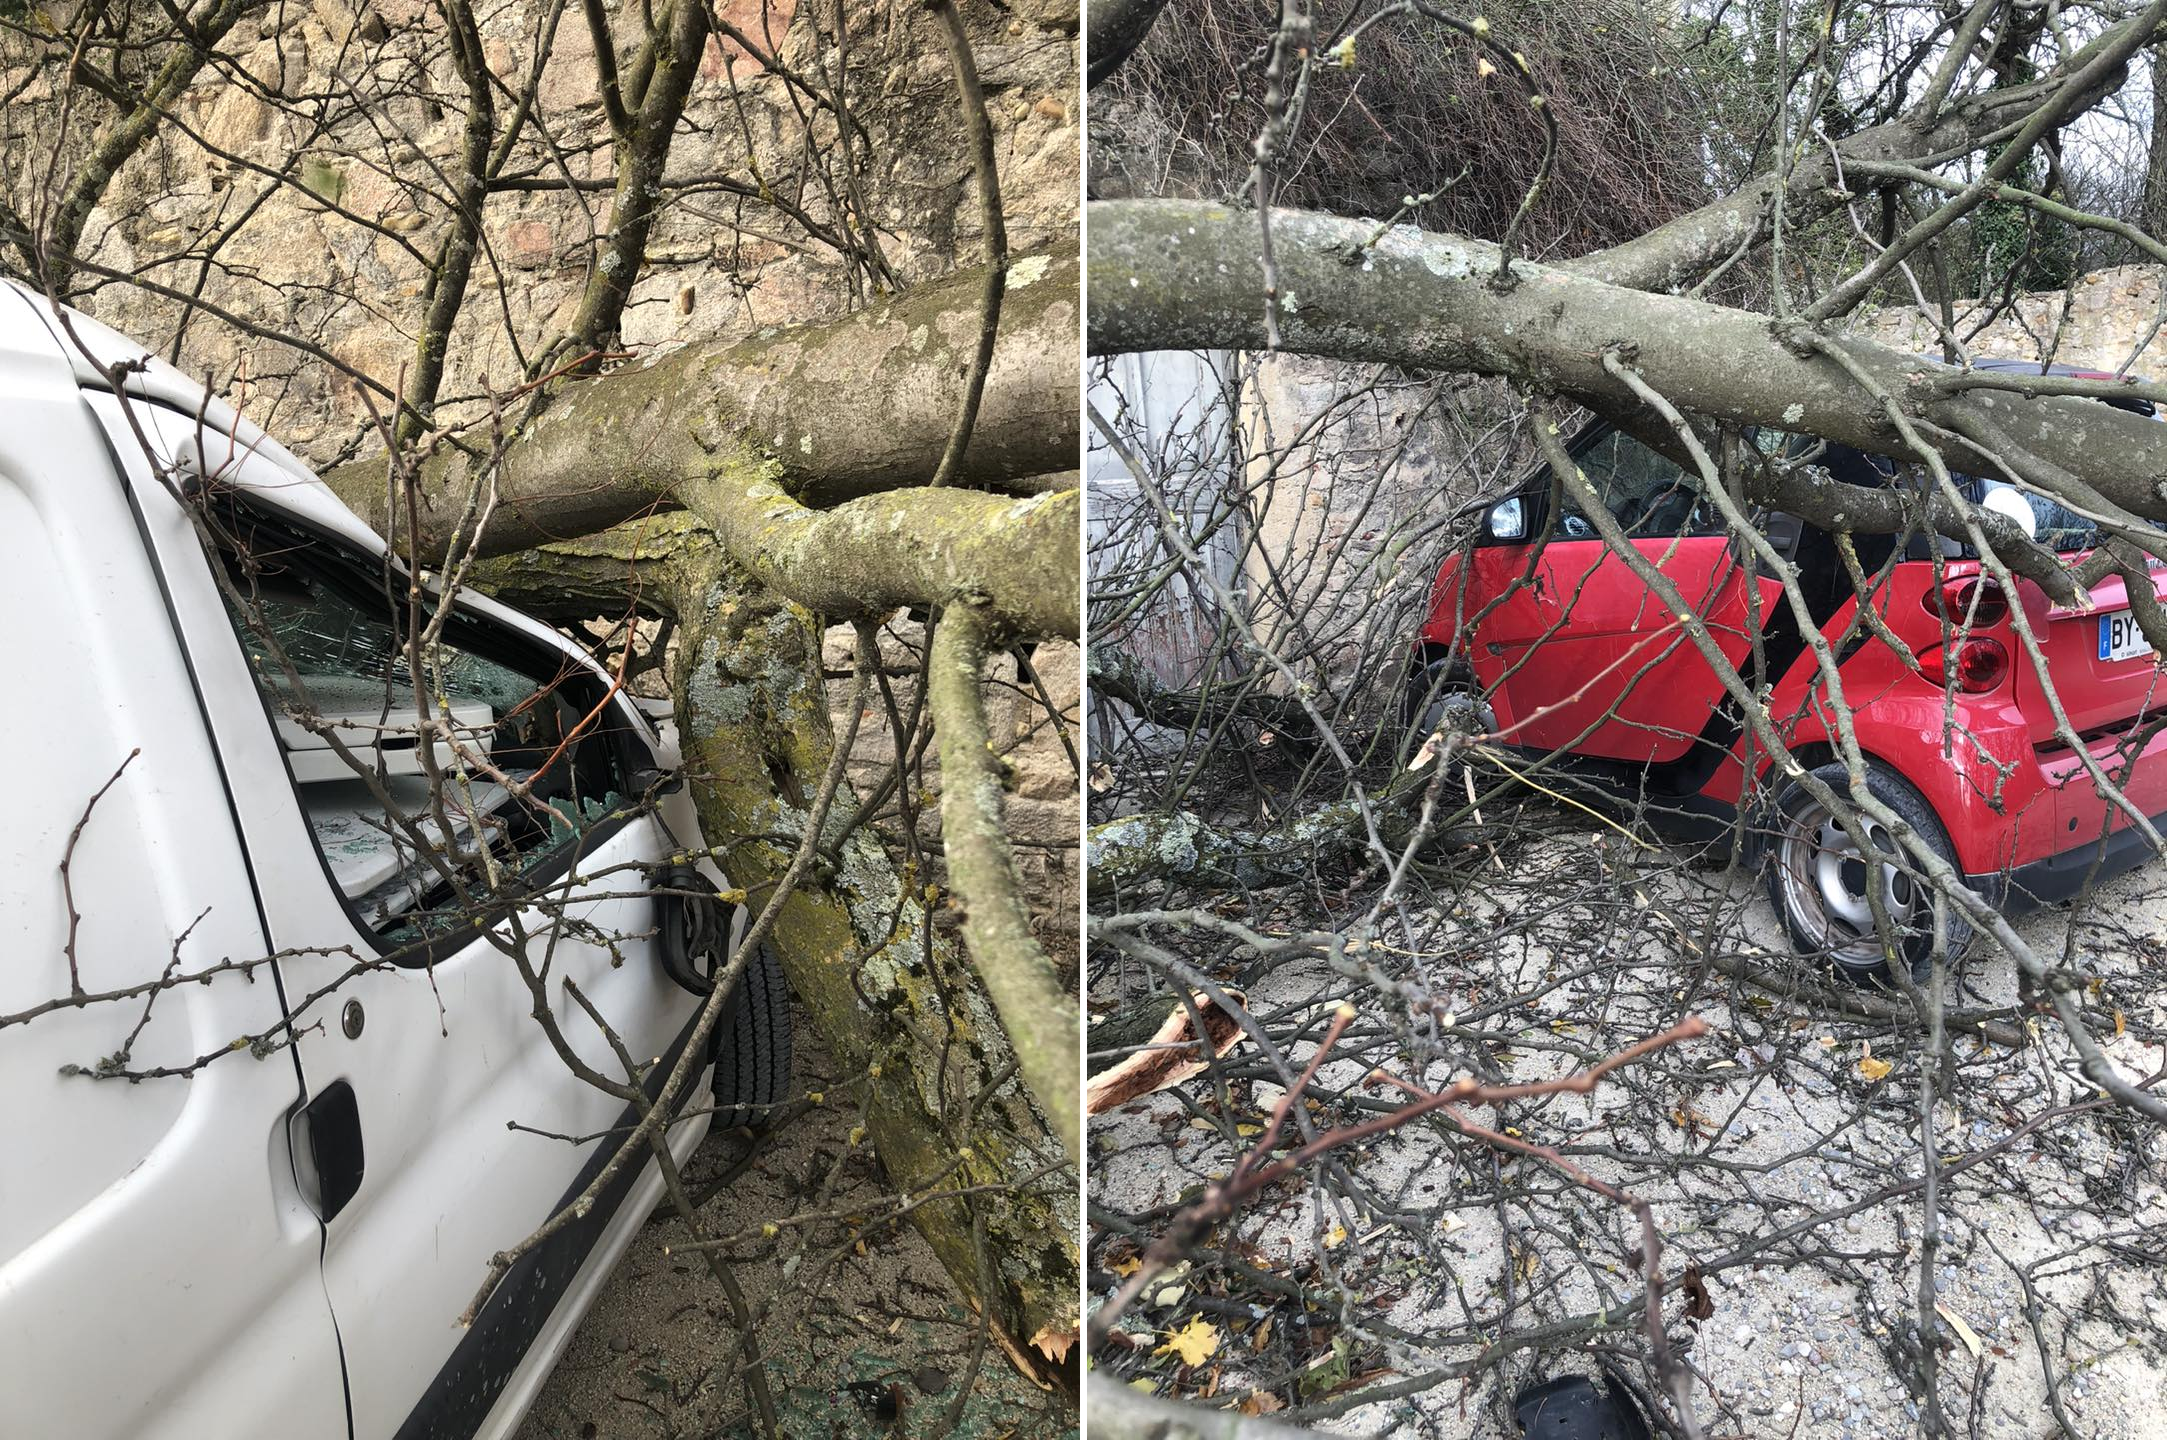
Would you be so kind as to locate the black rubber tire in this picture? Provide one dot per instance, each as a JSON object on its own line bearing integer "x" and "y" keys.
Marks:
{"x": 1813, "y": 941}
{"x": 752, "y": 1056}
{"x": 1433, "y": 691}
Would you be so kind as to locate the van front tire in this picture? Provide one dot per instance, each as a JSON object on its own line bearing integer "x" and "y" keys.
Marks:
{"x": 752, "y": 1058}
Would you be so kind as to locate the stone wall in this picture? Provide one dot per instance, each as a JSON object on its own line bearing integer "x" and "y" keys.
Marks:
{"x": 1027, "y": 729}
{"x": 1356, "y": 473}
{"x": 2108, "y": 320}
{"x": 360, "y": 107}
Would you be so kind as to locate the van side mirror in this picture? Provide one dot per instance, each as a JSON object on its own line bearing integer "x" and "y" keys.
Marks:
{"x": 653, "y": 780}
{"x": 1507, "y": 519}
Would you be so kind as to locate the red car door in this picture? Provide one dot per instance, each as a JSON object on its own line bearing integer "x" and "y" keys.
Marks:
{"x": 1600, "y": 666}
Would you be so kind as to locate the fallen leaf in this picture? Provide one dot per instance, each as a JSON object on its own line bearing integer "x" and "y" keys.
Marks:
{"x": 1262, "y": 1335}
{"x": 1194, "y": 1342}
{"x": 1327, "y": 1372}
{"x": 1336, "y": 1236}
{"x": 1054, "y": 1344}
{"x": 1698, "y": 1303}
{"x": 1963, "y": 1332}
{"x": 1872, "y": 1069}
{"x": 1167, "y": 1058}
{"x": 1166, "y": 1297}
{"x": 1126, "y": 1267}
{"x": 1261, "y": 1402}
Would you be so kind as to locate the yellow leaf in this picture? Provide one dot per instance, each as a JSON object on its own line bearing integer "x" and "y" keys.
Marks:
{"x": 1872, "y": 1069}
{"x": 1963, "y": 1332}
{"x": 1165, "y": 1297}
{"x": 1126, "y": 1268}
{"x": 1194, "y": 1342}
{"x": 2121, "y": 1024}
{"x": 1262, "y": 1335}
{"x": 1246, "y": 1129}
{"x": 1336, "y": 1236}
{"x": 1053, "y": 1343}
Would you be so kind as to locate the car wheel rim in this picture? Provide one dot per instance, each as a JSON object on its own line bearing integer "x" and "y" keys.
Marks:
{"x": 1457, "y": 705}
{"x": 1824, "y": 880}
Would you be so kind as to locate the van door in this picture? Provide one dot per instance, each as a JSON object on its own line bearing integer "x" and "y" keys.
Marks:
{"x": 1608, "y": 671}
{"x": 160, "y": 1275}
{"x": 451, "y": 1126}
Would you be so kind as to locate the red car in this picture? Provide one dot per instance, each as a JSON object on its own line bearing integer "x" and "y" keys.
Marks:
{"x": 1559, "y": 649}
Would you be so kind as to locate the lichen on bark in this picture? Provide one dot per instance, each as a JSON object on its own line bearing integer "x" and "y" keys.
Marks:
{"x": 894, "y": 998}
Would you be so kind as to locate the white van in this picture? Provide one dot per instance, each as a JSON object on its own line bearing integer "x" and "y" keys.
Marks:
{"x": 258, "y": 1203}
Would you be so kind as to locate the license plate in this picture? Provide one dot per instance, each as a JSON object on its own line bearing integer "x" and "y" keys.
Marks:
{"x": 2120, "y": 639}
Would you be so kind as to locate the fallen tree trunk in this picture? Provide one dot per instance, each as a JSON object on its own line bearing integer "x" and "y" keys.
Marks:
{"x": 892, "y": 997}
{"x": 601, "y": 451}
{"x": 1178, "y": 274}
{"x": 1180, "y": 845}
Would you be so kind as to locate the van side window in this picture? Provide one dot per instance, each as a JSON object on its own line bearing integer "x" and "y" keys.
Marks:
{"x": 529, "y": 757}
{"x": 1651, "y": 497}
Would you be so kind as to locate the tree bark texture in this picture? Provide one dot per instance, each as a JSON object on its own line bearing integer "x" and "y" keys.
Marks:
{"x": 1180, "y": 275}
{"x": 893, "y": 998}
{"x": 826, "y": 412}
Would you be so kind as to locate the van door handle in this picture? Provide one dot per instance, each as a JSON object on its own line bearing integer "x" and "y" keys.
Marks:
{"x": 327, "y": 1140}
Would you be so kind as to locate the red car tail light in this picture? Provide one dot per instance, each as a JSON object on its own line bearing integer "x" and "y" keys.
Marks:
{"x": 1977, "y": 664}
{"x": 1956, "y": 598}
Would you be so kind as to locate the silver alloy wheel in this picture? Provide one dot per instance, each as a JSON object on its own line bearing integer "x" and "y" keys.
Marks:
{"x": 1823, "y": 878}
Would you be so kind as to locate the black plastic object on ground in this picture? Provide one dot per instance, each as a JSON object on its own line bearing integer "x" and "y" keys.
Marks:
{"x": 1571, "y": 1407}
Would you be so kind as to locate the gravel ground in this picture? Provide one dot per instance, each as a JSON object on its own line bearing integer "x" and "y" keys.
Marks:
{"x": 655, "y": 1359}
{"x": 2049, "y": 1246}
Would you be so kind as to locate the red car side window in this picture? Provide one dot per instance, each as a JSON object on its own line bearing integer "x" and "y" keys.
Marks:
{"x": 1651, "y": 497}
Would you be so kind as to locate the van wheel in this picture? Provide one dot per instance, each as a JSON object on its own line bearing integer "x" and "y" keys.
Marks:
{"x": 752, "y": 1059}
{"x": 1817, "y": 879}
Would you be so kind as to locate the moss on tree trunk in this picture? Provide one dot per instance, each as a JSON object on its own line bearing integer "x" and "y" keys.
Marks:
{"x": 892, "y": 997}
